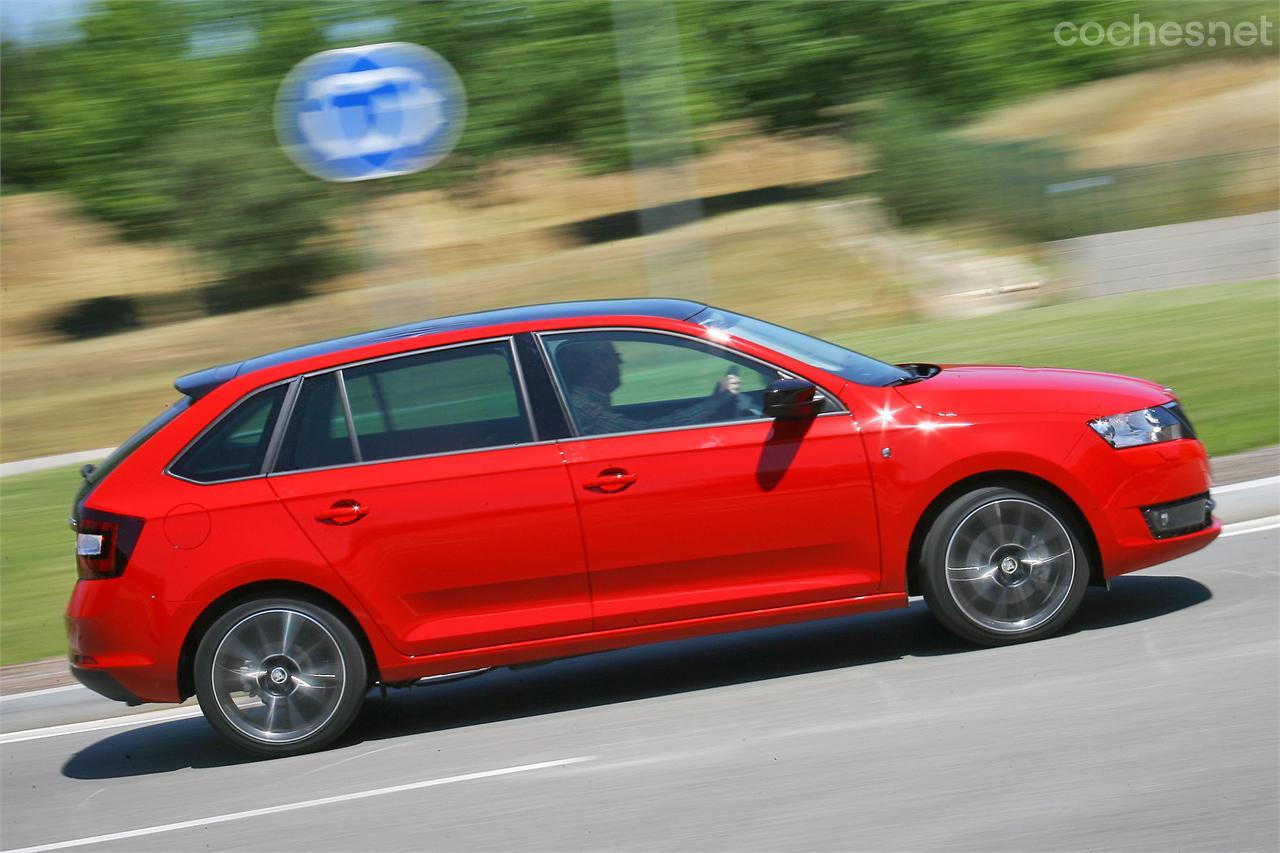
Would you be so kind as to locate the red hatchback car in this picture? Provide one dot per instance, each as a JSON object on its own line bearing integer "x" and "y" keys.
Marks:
{"x": 534, "y": 483}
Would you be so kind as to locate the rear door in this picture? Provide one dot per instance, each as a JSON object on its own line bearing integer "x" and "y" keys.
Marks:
{"x": 421, "y": 480}
{"x": 693, "y": 504}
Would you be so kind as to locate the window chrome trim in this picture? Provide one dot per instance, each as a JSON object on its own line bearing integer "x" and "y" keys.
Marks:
{"x": 555, "y": 385}
{"x": 442, "y": 453}
{"x": 282, "y": 420}
{"x": 573, "y": 424}
{"x": 406, "y": 354}
{"x": 521, "y": 399}
{"x": 168, "y": 468}
{"x": 286, "y": 410}
{"x": 523, "y": 388}
{"x": 351, "y": 421}
{"x": 281, "y": 424}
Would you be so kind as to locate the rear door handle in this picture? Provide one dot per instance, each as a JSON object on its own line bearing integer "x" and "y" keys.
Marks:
{"x": 611, "y": 480}
{"x": 343, "y": 512}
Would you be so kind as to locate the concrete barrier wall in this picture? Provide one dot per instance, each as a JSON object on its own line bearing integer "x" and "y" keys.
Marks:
{"x": 1211, "y": 251}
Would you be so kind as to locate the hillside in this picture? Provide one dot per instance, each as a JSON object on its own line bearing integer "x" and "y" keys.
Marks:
{"x": 541, "y": 229}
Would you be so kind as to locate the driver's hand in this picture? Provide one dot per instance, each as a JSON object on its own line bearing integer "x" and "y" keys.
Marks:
{"x": 730, "y": 384}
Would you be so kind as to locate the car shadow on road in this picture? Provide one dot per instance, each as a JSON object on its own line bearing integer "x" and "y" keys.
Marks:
{"x": 628, "y": 675}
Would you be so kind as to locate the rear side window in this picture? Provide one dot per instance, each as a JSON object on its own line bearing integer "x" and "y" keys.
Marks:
{"x": 237, "y": 444}
{"x": 317, "y": 436}
{"x": 437, "y": 402}
{"x": 465, "y": 398}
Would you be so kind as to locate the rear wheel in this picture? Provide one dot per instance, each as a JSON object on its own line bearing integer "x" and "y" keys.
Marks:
{"x": 1002, "y": 565}
{"x": 280, "y": 676}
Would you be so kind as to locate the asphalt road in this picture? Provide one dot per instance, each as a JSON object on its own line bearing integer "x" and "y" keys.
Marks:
{"x": 1151, "y": 725}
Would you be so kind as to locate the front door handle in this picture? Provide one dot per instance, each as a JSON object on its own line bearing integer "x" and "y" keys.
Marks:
{"x": 343, "y": 512}
{"x": 611, "y": 480}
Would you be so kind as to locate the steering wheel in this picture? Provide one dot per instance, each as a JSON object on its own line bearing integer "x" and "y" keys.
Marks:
{"x": 743, "y": 406}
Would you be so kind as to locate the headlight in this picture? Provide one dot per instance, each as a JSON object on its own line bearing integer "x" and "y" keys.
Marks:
{"x": 1145, "y": 426}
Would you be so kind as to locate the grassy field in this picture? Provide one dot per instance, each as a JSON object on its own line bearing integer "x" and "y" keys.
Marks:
{"x": 37, "y": 563}
{"x": 1216, "y": 345}
{"x": 1176, "y": 113}
{"x": 512, "y": 239}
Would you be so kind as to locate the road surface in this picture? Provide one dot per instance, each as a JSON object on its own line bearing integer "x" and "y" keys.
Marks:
{"x": 1151, "y": 725}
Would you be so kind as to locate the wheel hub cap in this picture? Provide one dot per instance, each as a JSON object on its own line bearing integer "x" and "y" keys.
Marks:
{"x": 278, "y": 675}
{"x": 1010, "y": 565}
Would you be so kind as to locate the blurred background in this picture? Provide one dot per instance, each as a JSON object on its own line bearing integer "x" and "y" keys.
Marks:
{"x": 918, "y": 180}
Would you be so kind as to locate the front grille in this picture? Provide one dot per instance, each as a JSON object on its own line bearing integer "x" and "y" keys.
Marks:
{"x": 1180, "y": 517}
{"x": 1175, "y": 409}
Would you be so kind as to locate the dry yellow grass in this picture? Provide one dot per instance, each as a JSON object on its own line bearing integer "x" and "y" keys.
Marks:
{"x": 771, "y": 261}
{"x": 1207, "y": 108}
{"x": 51, "y": 255}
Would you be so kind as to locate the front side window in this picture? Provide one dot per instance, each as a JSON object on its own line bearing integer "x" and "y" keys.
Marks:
{"x": 625, "y": 381}
{"x": 237, "y": 444}
{"x": 445, "y": 401}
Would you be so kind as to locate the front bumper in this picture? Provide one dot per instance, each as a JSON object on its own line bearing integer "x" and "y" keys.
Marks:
{"x": 1132, "y": 487}
{"x": 1180, "y": 517}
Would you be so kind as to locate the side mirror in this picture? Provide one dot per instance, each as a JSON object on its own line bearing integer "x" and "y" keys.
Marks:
{"x": 792, "y": 399}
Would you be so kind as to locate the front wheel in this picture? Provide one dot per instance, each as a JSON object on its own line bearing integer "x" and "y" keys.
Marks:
{"x": 280, "y": 676}
{"x": 1001, "y": 566}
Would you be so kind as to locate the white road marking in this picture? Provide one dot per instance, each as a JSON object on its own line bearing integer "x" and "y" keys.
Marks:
{"x": 65, "y": 688}
{"x": 1248, "y": 484}
{"x": 99, "y": 725}
{"x": 305, "y": 804}
{"x": 1258, "y": 525}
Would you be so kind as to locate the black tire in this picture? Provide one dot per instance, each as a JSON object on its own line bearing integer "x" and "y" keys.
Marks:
{"x": 280, "y": 676}
{"x": 1002, "y": 565}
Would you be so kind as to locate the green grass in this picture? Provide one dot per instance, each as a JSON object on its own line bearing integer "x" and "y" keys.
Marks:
{"x": 1217, "y": 346}
{"x": 37, "y": 563}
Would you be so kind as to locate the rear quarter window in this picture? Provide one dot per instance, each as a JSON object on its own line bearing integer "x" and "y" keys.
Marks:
{"x": 236, "y": 445}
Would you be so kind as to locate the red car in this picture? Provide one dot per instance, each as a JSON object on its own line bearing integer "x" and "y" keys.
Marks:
{"x": 533, "y": 483}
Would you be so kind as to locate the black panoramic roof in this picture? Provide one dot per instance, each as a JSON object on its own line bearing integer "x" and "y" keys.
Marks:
{"x": 201, "y": 382}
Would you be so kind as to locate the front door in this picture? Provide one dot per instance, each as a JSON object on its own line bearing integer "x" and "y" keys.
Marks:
{"x": 453, "y": 526}
{"x": 692, "y": 503}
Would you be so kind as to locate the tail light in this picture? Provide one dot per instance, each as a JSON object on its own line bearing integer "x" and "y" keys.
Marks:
{"x": 104, "y": 543}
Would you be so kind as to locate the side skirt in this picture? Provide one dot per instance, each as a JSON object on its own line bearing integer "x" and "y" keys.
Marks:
{"x": 410, "y": 669}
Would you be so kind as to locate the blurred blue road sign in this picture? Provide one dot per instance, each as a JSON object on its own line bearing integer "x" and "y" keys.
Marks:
{"x": 370, "y": 112}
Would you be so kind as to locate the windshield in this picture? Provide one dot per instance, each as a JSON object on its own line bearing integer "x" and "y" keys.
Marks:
{"x": 825, "y": 355}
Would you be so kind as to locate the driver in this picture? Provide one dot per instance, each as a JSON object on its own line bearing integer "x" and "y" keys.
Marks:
{"x": 591, "y": 370}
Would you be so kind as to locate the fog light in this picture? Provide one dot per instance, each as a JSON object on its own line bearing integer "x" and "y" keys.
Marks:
{"x": 1178, "y": 518}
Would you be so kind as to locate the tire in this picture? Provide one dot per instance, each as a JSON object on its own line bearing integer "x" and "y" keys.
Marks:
{"x": 1003, "y": 565}
{"x": 280, "y": 676}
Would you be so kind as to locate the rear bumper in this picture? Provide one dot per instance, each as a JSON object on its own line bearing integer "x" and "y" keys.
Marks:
{"x": 124, "y": 642}
{"x": 103, "y": 683}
